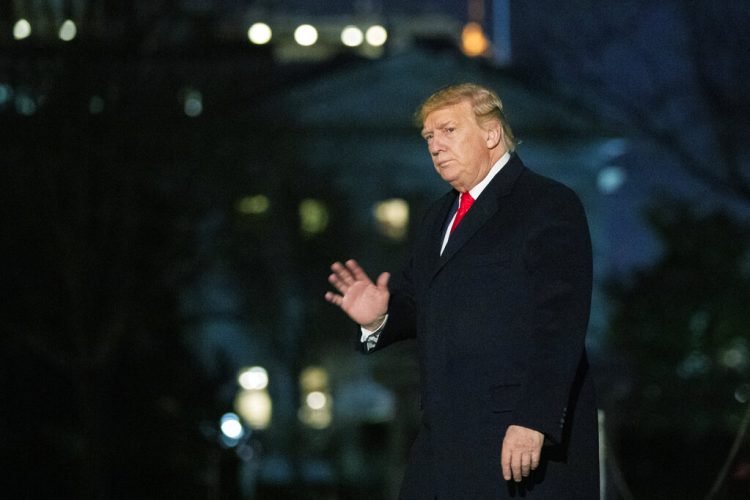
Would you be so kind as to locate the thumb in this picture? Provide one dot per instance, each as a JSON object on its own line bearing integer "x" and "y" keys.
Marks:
{"x": 383, "y": 280}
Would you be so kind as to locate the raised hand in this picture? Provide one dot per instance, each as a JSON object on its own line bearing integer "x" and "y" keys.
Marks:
{"x": 364, "y": 301}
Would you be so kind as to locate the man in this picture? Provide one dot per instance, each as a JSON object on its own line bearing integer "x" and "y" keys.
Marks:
{"x": 497, "y": 294}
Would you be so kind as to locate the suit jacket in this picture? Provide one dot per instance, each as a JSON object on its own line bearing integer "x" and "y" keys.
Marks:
{"x": 500, "y": 320}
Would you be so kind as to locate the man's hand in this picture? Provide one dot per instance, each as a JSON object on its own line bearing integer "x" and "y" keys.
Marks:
{"x": 522, "y": 448}
{"x": 364, "y": 301}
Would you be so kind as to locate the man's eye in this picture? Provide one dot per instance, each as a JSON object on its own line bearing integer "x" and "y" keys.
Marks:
{"x": 427, "y": 138}
{"x": 450, "y": 130}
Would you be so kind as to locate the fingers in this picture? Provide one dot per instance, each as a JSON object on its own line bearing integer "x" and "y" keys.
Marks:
{"x": 516, "y": 466}
{"x": 356, "y": 271}
{"x": 334, "y": 298}
{"x": 521, "y": 452}
{"x": 505, "y": 458}
{"x": 525, "y": 466}
{"x": 343, "y": 276}
{"x": 383, "y": 280}
{"x": 534, "y": 461}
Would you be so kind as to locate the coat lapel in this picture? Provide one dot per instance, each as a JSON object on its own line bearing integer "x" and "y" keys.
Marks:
{"x": 434, "y": 226}
{"x": 483, "y": 209}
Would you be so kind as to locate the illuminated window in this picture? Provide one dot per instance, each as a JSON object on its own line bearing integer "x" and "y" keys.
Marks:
{"x": 392, "y": 217}
{"x": 22, "y": 29}
{"x": 313, "y": 216}
{"x": 313, "y": 378}
{"x": 255, "y": 407}
{"x": 253, "y": 205}
{"x": 67, "y": 31}
{"x": 316, "y": 408}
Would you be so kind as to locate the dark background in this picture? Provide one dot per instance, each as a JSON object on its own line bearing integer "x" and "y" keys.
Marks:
{"x": 173, "y": 196}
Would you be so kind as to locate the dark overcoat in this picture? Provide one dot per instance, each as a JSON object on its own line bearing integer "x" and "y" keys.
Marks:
{"x": 500, "y": 320}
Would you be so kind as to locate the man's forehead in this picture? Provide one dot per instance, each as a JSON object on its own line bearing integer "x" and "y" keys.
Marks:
{"x": 442, "y": 116}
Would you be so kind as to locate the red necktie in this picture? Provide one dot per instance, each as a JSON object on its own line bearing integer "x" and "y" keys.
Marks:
{"x": 464, "y": 204}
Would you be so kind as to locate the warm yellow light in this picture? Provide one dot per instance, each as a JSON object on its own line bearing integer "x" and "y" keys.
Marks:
{"x": 392, "y": 217}
{"x": 376, "y": 35}
{"x": 253, "y": 205}
{"x": 473, "y": 40}
{"x": 313, "y": 216}
{"x": 254, "y": 407}
{"x": 306, "y": 35}
{"x": 22, "y": 29}
{"x": 316, "y": 402}
{"x": 259, "y": 33}
{"x": 313, "y": 378}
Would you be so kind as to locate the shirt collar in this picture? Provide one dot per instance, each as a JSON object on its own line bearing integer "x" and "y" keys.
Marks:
{"x": 499, "y": 164}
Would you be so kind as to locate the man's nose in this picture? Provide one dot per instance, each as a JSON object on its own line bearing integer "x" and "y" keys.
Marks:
{"x": 436, "y": 146}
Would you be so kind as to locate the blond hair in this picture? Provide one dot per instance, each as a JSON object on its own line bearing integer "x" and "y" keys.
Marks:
{"x": 484, "y": 102}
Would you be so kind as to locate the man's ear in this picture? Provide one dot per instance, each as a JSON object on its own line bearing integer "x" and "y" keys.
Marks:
{"x": 493, "y": 134}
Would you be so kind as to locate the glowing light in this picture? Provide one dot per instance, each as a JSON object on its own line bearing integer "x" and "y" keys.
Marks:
{"x": 473, "y": 41}
{"x": 306, "y": 35}
{"x": 253, "y": 378}
{"x": 313, "y": 216}
{"x": 259, "y": 33}
{"x": 610, "y": 179}
{"x": 316, "y": 400}
{"x": 25, "y": 105}
{"x": 5, "y": 93}
{"x": 376, "y": 35}
{"x": 316, "y": 408}
{"x": 255, "y": 407}
{"x": 694, "y": 365}
{"x": 313, "y": 378}
{"x": 351, "y": 36}
{"x": 231, "y": 426}
{"x": 253, "y": 205}
{"x": 193, "y": 105}
{"x": 742, "y": 394}
{"x": 392, "y": 217}
{"x": 22, "y": 29}
{"x": 96, "y": 105}
{"x": 67, "y": 31}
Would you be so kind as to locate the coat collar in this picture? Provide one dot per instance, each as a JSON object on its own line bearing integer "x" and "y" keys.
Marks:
{"x": 482, "y": 210}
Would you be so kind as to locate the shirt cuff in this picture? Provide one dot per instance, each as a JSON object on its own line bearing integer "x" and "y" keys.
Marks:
{"x": 370, "y": 337}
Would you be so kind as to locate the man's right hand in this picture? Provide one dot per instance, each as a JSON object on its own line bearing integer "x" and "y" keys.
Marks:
{"x": 364, "y": 301}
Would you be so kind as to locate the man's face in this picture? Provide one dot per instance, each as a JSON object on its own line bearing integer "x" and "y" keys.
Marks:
{"x": 459, "y": 146}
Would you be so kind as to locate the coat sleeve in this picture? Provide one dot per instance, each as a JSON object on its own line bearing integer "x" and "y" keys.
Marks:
{"x": 558, "y": 263}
